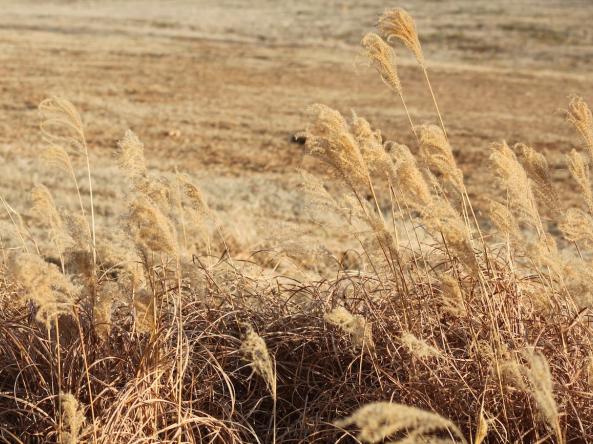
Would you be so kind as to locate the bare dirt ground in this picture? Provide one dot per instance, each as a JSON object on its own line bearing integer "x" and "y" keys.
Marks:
{"x": 218, "y": 88}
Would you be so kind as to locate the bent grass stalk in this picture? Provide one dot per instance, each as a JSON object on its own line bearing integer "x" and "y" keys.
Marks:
{"x": 398, "y": 24}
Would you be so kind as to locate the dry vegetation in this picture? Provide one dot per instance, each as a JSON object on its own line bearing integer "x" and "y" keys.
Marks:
{"x": 439, "y": 325}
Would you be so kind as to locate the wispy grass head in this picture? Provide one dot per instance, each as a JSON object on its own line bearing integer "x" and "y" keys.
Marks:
{"x": 579, "y": 114}
{"x": 398, "y": 24}
{"x": 378, "y": 161}
{"x": 356, "y": 326}
{"x": 417, "y": 347}
{"x": 381, "y": 420}
{"x": 514, "y": 179}
{"x": 438, "y": 155}
{"x": 73, "y": 418}
{"x": 150, "y": 228}
{"x": 255, "y": 350}
{"x": 382, "y": 58}
{"x": 62, "y": 125}
{"x": 44, "y": 284}
{"x": 131, "y": 157}
{"x": 504, "y": 220}
{"x": 538, "y": 171}
{"x": 578, "y": 165}
{"x": 329, "y": 137}
{"x": 409, "y": 178}
{"x": 45, "y": 209}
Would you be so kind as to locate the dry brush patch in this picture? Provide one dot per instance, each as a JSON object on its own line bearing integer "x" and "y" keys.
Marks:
{"x": 438, "y": 329}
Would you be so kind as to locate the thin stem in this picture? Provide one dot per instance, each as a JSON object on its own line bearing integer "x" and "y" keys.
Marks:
{"x": 434, "y": 101}
{"x": 93, "y": 234}
{"x": 401, "y": 96}
{"x": 87, "y": 375}
{"x": 59, "y": 376}
{"x": 179, "y": 348}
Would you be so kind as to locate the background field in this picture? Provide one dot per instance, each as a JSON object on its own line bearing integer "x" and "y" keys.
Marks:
{"x": 218, "y": 88}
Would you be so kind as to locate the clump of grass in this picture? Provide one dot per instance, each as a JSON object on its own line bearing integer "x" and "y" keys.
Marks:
{"x": 139, "y": 342}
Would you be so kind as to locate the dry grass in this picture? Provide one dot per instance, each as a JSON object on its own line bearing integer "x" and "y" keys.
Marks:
{"x": 440, "y": 330}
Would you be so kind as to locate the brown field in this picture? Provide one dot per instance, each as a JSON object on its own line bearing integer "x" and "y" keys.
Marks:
{"x": 224, "y": 325}
{"x": 218, "y": 88}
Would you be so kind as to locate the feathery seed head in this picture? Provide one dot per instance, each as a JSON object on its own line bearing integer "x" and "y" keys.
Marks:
{"x": 150, "y": 228}
{"x": 329, "y": 137}
{"x": 72, "y": 418}
{"x": 382, "y": 58}
{"x": 540, "y": 382}
{"x": 102, "y": 308}
{"x": 355, "y": 325}
{"x": 409, "y": 179}
{"x": 56, "y": 156}
{"x": 452, "y": 296}
{"x": 61, "y": 124}
{"x": 544, "y": 253}
{"x": 371, "y": 147}
{"x": 380, "y": 420}
{"x": 398, "y": 24}
{"x": 419, "y": 347}
{"x": 441, "y": 217}
{"x": 482, "y": 429}
{"x": 45, "y": 209}
{"x": 513, "y": 177}
{"x": 504, "y": 220}
{"x": 193, "y": 194}
{"x": 131, "y": 157}
{"x": 579, "y": 115}
{"x": 537, "y": 169}
{"x": 577, "y": 226}
{"x": 578, "y": 165}
{"x": 255, "y": 350}
{"x": 44, "y": 284}
{"x": 78, "y": 229}
{"x": 144, "y": 311}
{"x": 438, "y": 155}
{"x": 534, "y": 378}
